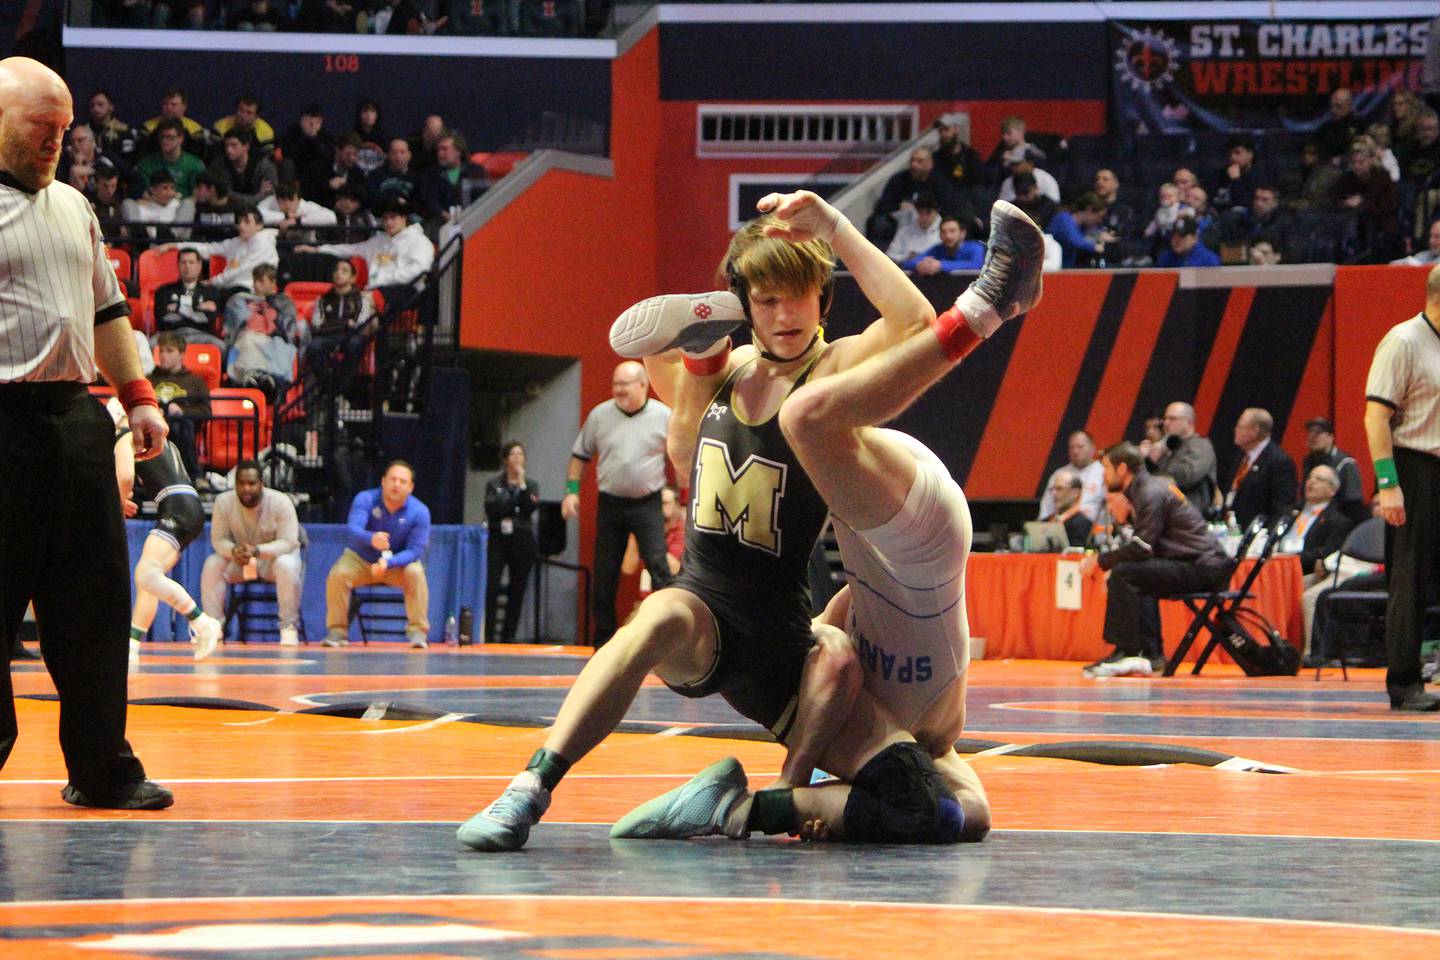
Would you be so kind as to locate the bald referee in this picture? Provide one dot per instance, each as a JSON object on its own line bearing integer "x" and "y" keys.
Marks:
{"x": 62, "y": 539}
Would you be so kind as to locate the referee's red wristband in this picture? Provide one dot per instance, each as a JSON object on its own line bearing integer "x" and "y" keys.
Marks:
{"x": 138, "y": 393}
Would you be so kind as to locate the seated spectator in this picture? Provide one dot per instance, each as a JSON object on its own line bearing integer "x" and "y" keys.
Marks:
{"x": 1419, "y": 157}
{"x": 250, "y": 173}
{"x": 113, "y": 135}
{"x": 327, "y": 16}
{"x": 1064, "y": 488}
{"x": 1090, "y": 504}
{"x": 1028, "y": 197}
{"x": 1167, "y": 214}
{"x": 395, "y": 179}
{"x": 183, "y": 397}
{"x": 399, "y": 256}
{"x": 371, "y": 131}
{"x": 952, "y": 254}
{"x": 389, "y": 531}
{"x": 1234, "y": 185}
{"x": 1264, "y": 480}
{"x": 1320, "y": 439}
{"x": 1198, "y": 199}
{"x": 1048, "y": 185}
{"x": 259, "y": 15}
{"x": 471, "y": 19}
{"x": 194, "y": 139}
{"x": 1185, "y": 249}
{"x": 262, "y": 336}
{"x": 187, "y": 308}
{"x": 159, "y": 204}
{"x": 243, "y": 253}
{"x": 1012, "y": 148}
{"x": 341, "y": 314}
{"x": 1341, "y": 125}
{"x": 1070, "y": 228}
{"x": 1430, "y": 254}
{"x": 1367, "y": 189}
{"x": 108, "y": 199}
{"x": 1312, "y": 184}
{"x": 344, "y": 171}
{"x": 1171, "y": 551}
{"x": 172, "y": 158}
{"x": 897, "y": 200}
{"x": 1186, "y": 457}
{"x": 353, "y": 223}
{"x": 1404, "y": 111}
{"x": 1380, "y": 133}
{"x": 1317, "y": 533}
{"x": 1262, "y": 219}
{"x": 442, "y": 186}
{"x": 80, "y": 158}
{"x": 214, "y": 211}
{"x": 955, "y": 159}
{"x": 309, "y": 154}
{"x": 1185, "y": 180}
{"x": 256, "y": 536}
{"x": 246, "y": 117}
{"x": 425, "y": 142}
{"x": 1119, "y": 220}
{"x": 295, "y": 218}
{"x": 917, "y": 232}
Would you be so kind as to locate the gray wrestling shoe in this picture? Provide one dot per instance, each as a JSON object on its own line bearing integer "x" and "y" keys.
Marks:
{"x": 1011, "y": 281}
{"x": 506, "y": 823}
{"x": 697, "y": 808}
{"x": 690, "y": 321}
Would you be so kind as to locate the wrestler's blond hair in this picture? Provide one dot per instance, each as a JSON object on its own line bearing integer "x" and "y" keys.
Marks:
{"x": 775, "y": 265}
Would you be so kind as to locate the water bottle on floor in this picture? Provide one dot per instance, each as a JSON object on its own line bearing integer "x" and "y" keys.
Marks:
{"x": 452, "y": 631}
{"x": 467, "y": 627}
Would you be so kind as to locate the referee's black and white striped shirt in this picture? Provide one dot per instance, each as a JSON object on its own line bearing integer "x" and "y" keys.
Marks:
{"x": 1405, "y": 376}
{"x": 56, "y": 283}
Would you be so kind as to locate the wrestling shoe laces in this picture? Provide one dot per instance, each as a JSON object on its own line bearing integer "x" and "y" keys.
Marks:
{"x": 697, "y": 808}
{"x": 505, "y": 824}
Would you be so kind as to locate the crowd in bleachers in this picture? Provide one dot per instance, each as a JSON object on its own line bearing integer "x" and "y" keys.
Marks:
{"x": 526, "y": 18}
{"x": 266, "y": 255}
{"x": 1351, "y": 190}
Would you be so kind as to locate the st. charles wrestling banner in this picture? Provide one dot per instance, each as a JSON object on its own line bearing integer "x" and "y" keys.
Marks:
{"x": 1256, "y": 74}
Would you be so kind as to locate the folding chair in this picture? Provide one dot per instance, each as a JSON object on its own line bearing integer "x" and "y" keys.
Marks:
{"x": 254, "y": 607}
{"x": 1214, "y": 610}
{"x": 374, "y": 608}
{"x": 1366, "y": 542}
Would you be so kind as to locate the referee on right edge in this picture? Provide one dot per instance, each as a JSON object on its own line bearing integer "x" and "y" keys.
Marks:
{"x": 62, "y": 538}
{"x": 1402, "y": 423}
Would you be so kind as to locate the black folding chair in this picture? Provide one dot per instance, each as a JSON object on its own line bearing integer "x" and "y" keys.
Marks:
{"x": 1215, "y": 610}
{"x": 1346, "y": 608}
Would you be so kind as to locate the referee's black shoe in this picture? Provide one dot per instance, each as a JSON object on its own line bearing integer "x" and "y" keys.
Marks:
{"x": 18, "y": 651}
{"x": 1417, "y": 702}
{"x": 140, "y": 795}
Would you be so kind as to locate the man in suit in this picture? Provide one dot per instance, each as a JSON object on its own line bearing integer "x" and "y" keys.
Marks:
{"x": 1319, "y": 531}
{"x": 1264, "y": 481}
{"x": 1066, "y": 487}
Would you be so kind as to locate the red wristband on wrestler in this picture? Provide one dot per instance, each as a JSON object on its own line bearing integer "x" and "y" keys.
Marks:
{"x": 138, "y": 393}
{"x": 953, "y": 331}
{"x": 707, "y": 365}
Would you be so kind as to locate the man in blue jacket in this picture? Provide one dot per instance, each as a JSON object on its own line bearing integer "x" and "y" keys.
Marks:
{"x": 1073, "y": 230}
{"x": 1186, "y": 250}
{"x": 389, "y": 530}
{"x": 951, "y": 254}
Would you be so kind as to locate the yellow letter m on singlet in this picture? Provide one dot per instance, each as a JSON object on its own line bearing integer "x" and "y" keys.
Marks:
{"x": 745, "y": 502}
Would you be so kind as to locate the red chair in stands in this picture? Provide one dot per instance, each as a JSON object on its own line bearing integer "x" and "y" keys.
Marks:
{"x": 155, "y": 270}
{"x": 362, "y": 271}
{"x": 120, "y": 262}
{"x": 306, "y": 292}
{"x": 217, "y": 266}
{"x": 205, "y": 362}
{"x": 239, "y": 426}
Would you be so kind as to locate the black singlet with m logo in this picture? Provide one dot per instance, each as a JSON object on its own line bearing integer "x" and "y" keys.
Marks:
{"x": 754, "y": 514}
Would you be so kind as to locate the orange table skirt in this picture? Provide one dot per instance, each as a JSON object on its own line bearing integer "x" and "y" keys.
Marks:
{"x": 1011, "y": 602}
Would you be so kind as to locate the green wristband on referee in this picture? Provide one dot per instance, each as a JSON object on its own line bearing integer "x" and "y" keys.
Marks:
{"x": 572, "y": 486}
{"x": 1385, "y": 475}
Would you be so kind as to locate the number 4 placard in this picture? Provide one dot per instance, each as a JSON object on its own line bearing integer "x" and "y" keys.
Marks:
{"x": 1067, "y": 585}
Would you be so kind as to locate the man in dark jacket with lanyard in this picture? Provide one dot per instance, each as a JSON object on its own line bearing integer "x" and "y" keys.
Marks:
{"x": 1171, "y": 551}
{"x": 510, "y": 502}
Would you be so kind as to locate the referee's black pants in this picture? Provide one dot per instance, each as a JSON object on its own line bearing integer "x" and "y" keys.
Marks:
{"x": 1411, "y": 555}
{"x": 62, "y": 546}
{"x": 615, "y": 519}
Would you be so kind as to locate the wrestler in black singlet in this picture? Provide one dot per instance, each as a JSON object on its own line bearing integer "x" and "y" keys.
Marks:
{"x": 180, "y": 516}
{"x": 754, "y": 517}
